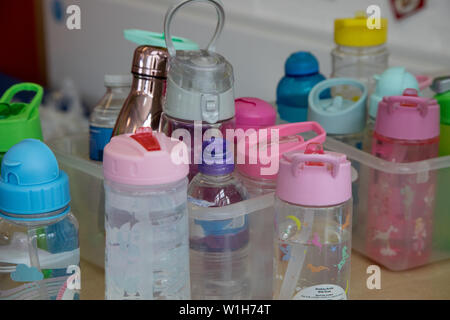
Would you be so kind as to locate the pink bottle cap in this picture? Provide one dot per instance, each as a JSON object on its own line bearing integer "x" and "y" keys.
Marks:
{"x": 314, "y": 179}
{"x": 424, "y": 81}
{"x": 408, "y": 117}
{"x": 254, "y": 113}
{"x": 264, "y": 144}
{"x": 143, "y": 158}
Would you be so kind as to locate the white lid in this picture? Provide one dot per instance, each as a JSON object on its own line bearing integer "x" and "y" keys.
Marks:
{"x": 118, "y": 80}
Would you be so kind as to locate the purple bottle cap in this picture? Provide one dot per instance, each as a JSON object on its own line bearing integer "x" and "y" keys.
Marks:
{"x": 217, "y": 157}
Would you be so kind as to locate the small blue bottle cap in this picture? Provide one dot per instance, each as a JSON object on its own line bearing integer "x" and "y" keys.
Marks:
{"x": 301, "y": 63}
{"x": 392, "y": 82}
{"x": 31, "y": 182}
{"x": 338, "y": 115}
{"x": 217, "y": 157}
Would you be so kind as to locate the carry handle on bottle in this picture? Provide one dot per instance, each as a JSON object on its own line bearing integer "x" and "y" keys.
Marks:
{"x": 326, "y": 158}
{"x": 293, "y": 129}
{"x": 334, "y": 82}
{"x": 410, "y": 97}
{"x": 25, "y": 86}
{"x": 171, "y": 12}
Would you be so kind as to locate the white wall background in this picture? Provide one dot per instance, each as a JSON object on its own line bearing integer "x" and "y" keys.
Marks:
{"x": 257, "y": 38}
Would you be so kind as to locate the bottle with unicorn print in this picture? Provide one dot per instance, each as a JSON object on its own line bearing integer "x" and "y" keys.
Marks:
{"x": 400, "y": 207}
{"x": 313, "y": 213}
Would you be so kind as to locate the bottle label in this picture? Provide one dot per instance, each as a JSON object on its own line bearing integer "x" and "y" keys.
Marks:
{"x": 321, "y": 292}
{"x": 218, "y": 235}
{"x": 98, "y": 139}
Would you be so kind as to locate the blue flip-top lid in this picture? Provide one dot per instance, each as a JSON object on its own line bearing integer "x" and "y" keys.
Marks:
{"x": 31, "y": 182}
{"x": 301, "y": 63}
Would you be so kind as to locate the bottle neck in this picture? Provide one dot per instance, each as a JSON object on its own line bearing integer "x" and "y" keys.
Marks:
{"x": 147, "y": 84}
{"x": 118, "y": 90}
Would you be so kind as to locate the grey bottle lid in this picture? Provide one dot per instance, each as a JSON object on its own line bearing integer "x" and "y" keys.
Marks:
{"x": 200, "y": 82}
{"x": 441, "y": 84}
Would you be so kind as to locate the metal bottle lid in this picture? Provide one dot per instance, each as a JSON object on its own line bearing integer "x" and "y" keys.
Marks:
{"x": 150, "y": 61}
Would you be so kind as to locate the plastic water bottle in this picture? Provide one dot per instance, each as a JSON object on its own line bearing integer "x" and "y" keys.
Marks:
{"x": 39, "y": 251}
{"x": 105, "y": 113}
{"x": 301, "y": 75}
{"x": 254, "y": 113}
{"x": 360, "y": 52}
{"x": 259, "y": 183}
{"x": 147, "y": 253}
{"x": 441, "y": 236}
{"x": 441, "y": 86}
{"x": 400, "y": 207}
{"x": 342, "y": 119}
{"x": 392, "y": 82}
{"x": 313, "y": 212}
{"x": 200, "y": 89}
{"x": 19, "y": 118}
{"x": 219, "y": 248}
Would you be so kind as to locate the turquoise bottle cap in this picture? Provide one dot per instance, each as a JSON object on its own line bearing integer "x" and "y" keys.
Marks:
{"x": 338, "y": 115}
{"x": 392, "y": 82}
{"x": 31, "y": 183}
{"x": 143, "y": 37}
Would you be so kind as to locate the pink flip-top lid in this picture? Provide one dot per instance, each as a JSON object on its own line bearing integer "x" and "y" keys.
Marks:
{"x": 144, "y": 158}
{"x": 314, "y": 179}
{"x": 262, "y": 153}
{"x": 254, "y": 113}
{"x": 408, "y": 117}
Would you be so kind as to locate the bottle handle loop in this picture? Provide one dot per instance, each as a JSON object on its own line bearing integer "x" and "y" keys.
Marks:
{"x": 171, "y": 13}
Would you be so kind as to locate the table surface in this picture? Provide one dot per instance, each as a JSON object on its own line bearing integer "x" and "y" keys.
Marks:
{"x": 428, "y": 282}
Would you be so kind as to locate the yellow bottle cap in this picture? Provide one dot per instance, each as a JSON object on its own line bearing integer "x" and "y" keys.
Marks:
{"x": 355, "y": 32}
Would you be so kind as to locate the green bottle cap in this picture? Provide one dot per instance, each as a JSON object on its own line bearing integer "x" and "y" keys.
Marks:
{"x": 441, "y": 86}
{"x": 19, "y": 121}
{"x": 143, "y": 37}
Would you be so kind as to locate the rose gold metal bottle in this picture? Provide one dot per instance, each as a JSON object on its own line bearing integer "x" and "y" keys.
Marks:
{"x": 143, "y": 106}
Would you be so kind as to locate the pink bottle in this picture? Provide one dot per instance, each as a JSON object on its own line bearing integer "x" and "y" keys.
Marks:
{"x": 258, "y": 174}
{"x": 400, "y": 206}
{"x": 254, "y": 113}
{"x": 313, "y": 213}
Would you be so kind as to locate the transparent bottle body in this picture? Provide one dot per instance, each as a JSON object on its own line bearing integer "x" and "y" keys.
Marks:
{"x": 192, "y": 133}
{"x": 103, "y": 119}
{"x": 400, "y": 207}
{"x": 39, "y": 260}
{"x": 261, "y": 236}
{"x": 312, "y": 251}
{"x": 219, "y": 249}
{"x": 360, "y": 63}
{"x": 147, "y": 253}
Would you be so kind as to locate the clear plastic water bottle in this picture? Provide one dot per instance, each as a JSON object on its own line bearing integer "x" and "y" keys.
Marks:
{"x": 258, "y": 183}
{"x": 360, "y": 52}
{"x": 313, "y": 212}
{"x": 392, "y": 82}
{"x": 147, "y": 252}
{"x": 400, "y": 208}
{"x": 200, "y": 89}
{"x": 219, "y": 248}
{"x": 39, "y": 250}
{"x": 105, "y": 113}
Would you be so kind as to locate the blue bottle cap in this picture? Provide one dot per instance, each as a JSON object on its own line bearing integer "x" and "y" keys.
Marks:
{"x": 301, "y": 63}
{"x": 217, "y": 157}
{"x": 31, "y": 182}
{"x": 338, "y": 115}
{"x": 392, "y": 82}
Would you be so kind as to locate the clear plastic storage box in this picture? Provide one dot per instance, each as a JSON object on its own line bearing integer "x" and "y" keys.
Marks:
{"x": 399, "y": 246}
